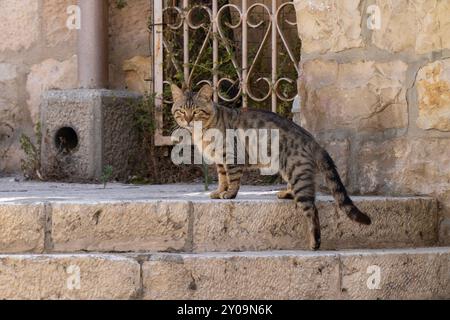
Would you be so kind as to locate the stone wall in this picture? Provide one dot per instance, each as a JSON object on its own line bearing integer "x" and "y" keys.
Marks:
{"x": 38, "y": 52}
{"x": 378, "y": 95}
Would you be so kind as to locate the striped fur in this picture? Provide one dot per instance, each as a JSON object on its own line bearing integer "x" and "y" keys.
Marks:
{"x": 301, "y": 157}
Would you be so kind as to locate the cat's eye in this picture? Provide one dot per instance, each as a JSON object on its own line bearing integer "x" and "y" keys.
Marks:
{"x": 199, "y": 112}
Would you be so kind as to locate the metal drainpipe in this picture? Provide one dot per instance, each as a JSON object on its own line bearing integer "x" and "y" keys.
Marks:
{"x": 93, "y": 44}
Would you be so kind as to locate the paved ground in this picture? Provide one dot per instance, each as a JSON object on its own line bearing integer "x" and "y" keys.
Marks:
{"x": 12, "y": 191}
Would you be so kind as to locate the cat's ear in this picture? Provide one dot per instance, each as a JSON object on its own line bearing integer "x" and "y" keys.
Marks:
{"x": 177, "y": 93}
{"x": 206, "y": 93}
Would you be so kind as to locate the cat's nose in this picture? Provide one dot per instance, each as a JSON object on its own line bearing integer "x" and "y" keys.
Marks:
{"x": 189, "y": 119}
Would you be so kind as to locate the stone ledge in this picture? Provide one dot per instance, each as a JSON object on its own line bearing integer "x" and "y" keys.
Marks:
{"x": 22, "y": 228}
{"x": 180, "y": 218}
{"x": 404, "y": 274}
{"x": 56, "y": 277}
{"x": 151, "y": 226}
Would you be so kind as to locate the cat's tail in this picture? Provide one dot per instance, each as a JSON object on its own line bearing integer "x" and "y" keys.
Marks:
{"x": 326, "y": 166}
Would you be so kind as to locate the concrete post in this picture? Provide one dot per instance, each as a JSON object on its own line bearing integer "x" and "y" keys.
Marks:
{"x": 93, "y": 44}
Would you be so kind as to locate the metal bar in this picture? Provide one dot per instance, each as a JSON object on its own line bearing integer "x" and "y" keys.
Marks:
{"x": 186, "y": 42}
{"x": 244, "y": 70}
{"x": 158, "y": 71}
{"x": 215, "y": 51}
{"x": 274, "y": 54}
{"x": 244, "y": 54}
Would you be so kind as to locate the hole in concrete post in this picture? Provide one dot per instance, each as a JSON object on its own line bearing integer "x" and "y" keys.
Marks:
{"x": 66, "y": 139}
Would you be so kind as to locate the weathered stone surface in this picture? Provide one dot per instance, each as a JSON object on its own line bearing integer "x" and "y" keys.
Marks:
{"x": 7, "y": 72}
{"x": 404, "y": 166}
{"x": 55, "y": 277}
{"x": 137, "y": 73}
{"x": 9, "y": 98}
{"x": 340, "y": 153}
{"x": 180, "y": 217}
{"x": 49, "y": 74}
{"x": 22, "y": 228}
{"x": 404, "y": 274}
{"x": 129, "y": 37}
{"x": 20, "y": 24}
{"x": 268, "y": 275}
{"x": 153, "y": 226}
{"x": 416, "y": 25}
{"x": 278, "y": 225}
{"x": 420, "y": 274}
{"x": 54, "y": 23}
{"x": 363, "y": 96}
{"x": 9, "y": 116}
{"x": 433, "y": 88}
{"x": 329, "y": 25}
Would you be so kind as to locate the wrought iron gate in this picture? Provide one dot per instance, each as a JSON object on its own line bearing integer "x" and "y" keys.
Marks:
{"x": 264, "y": 21}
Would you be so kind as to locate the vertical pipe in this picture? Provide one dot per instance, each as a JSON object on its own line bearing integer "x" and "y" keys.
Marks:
{"x": 92, "y": 47}
{"x": 274, "y": 54}
{"x": 244, "y": 54}
{"x": 215, "y": 23}
{"x": 186, "y": 43}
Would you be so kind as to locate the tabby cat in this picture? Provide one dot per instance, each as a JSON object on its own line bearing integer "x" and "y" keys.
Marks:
{"x": 300, "y": 156}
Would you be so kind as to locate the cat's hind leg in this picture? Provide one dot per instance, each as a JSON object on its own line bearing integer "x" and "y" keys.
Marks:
{"x": 286, "y": 194}
{"x": 304, "y": 191}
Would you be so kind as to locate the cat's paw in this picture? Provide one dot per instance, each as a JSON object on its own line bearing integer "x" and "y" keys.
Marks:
{"x": 285, "y": 194}
{"x": 215, "y": 195}
{"x": 228, "y": 195}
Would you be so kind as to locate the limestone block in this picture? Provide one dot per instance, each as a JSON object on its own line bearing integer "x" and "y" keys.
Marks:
{"x": 404, "y": 166}
{"x": 433, "y": 88}
{"x": 279, "y": 225}
{"x": 362, "y": 96}
{"x": 22, "y": 228}
{"x": 422, "y": 274}
{"x": 153, "y": 226}
{"x": 414, "y": 25}
{"x": 329, "y": 25}
{"x": 251, "y": 276}
{"x": 68, "y": 277}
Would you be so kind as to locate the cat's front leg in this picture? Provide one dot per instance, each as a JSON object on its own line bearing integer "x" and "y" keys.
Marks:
{"x": 223, "y": 182}
{"x": 234, "y": 175}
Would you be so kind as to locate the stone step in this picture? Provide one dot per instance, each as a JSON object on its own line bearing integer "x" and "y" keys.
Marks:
{"x": 182, "y": 219}
{"x": 356, "y": 274}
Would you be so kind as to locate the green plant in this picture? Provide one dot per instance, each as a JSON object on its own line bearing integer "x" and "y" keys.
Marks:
{"x": 6, "y": 131}
{"x": 144, "y": 114}
{"x": 106, "y": 175}
{"x": 120, "y": 4}
{"x": 31, "y": 165}
{"x": 206, "y": 176}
